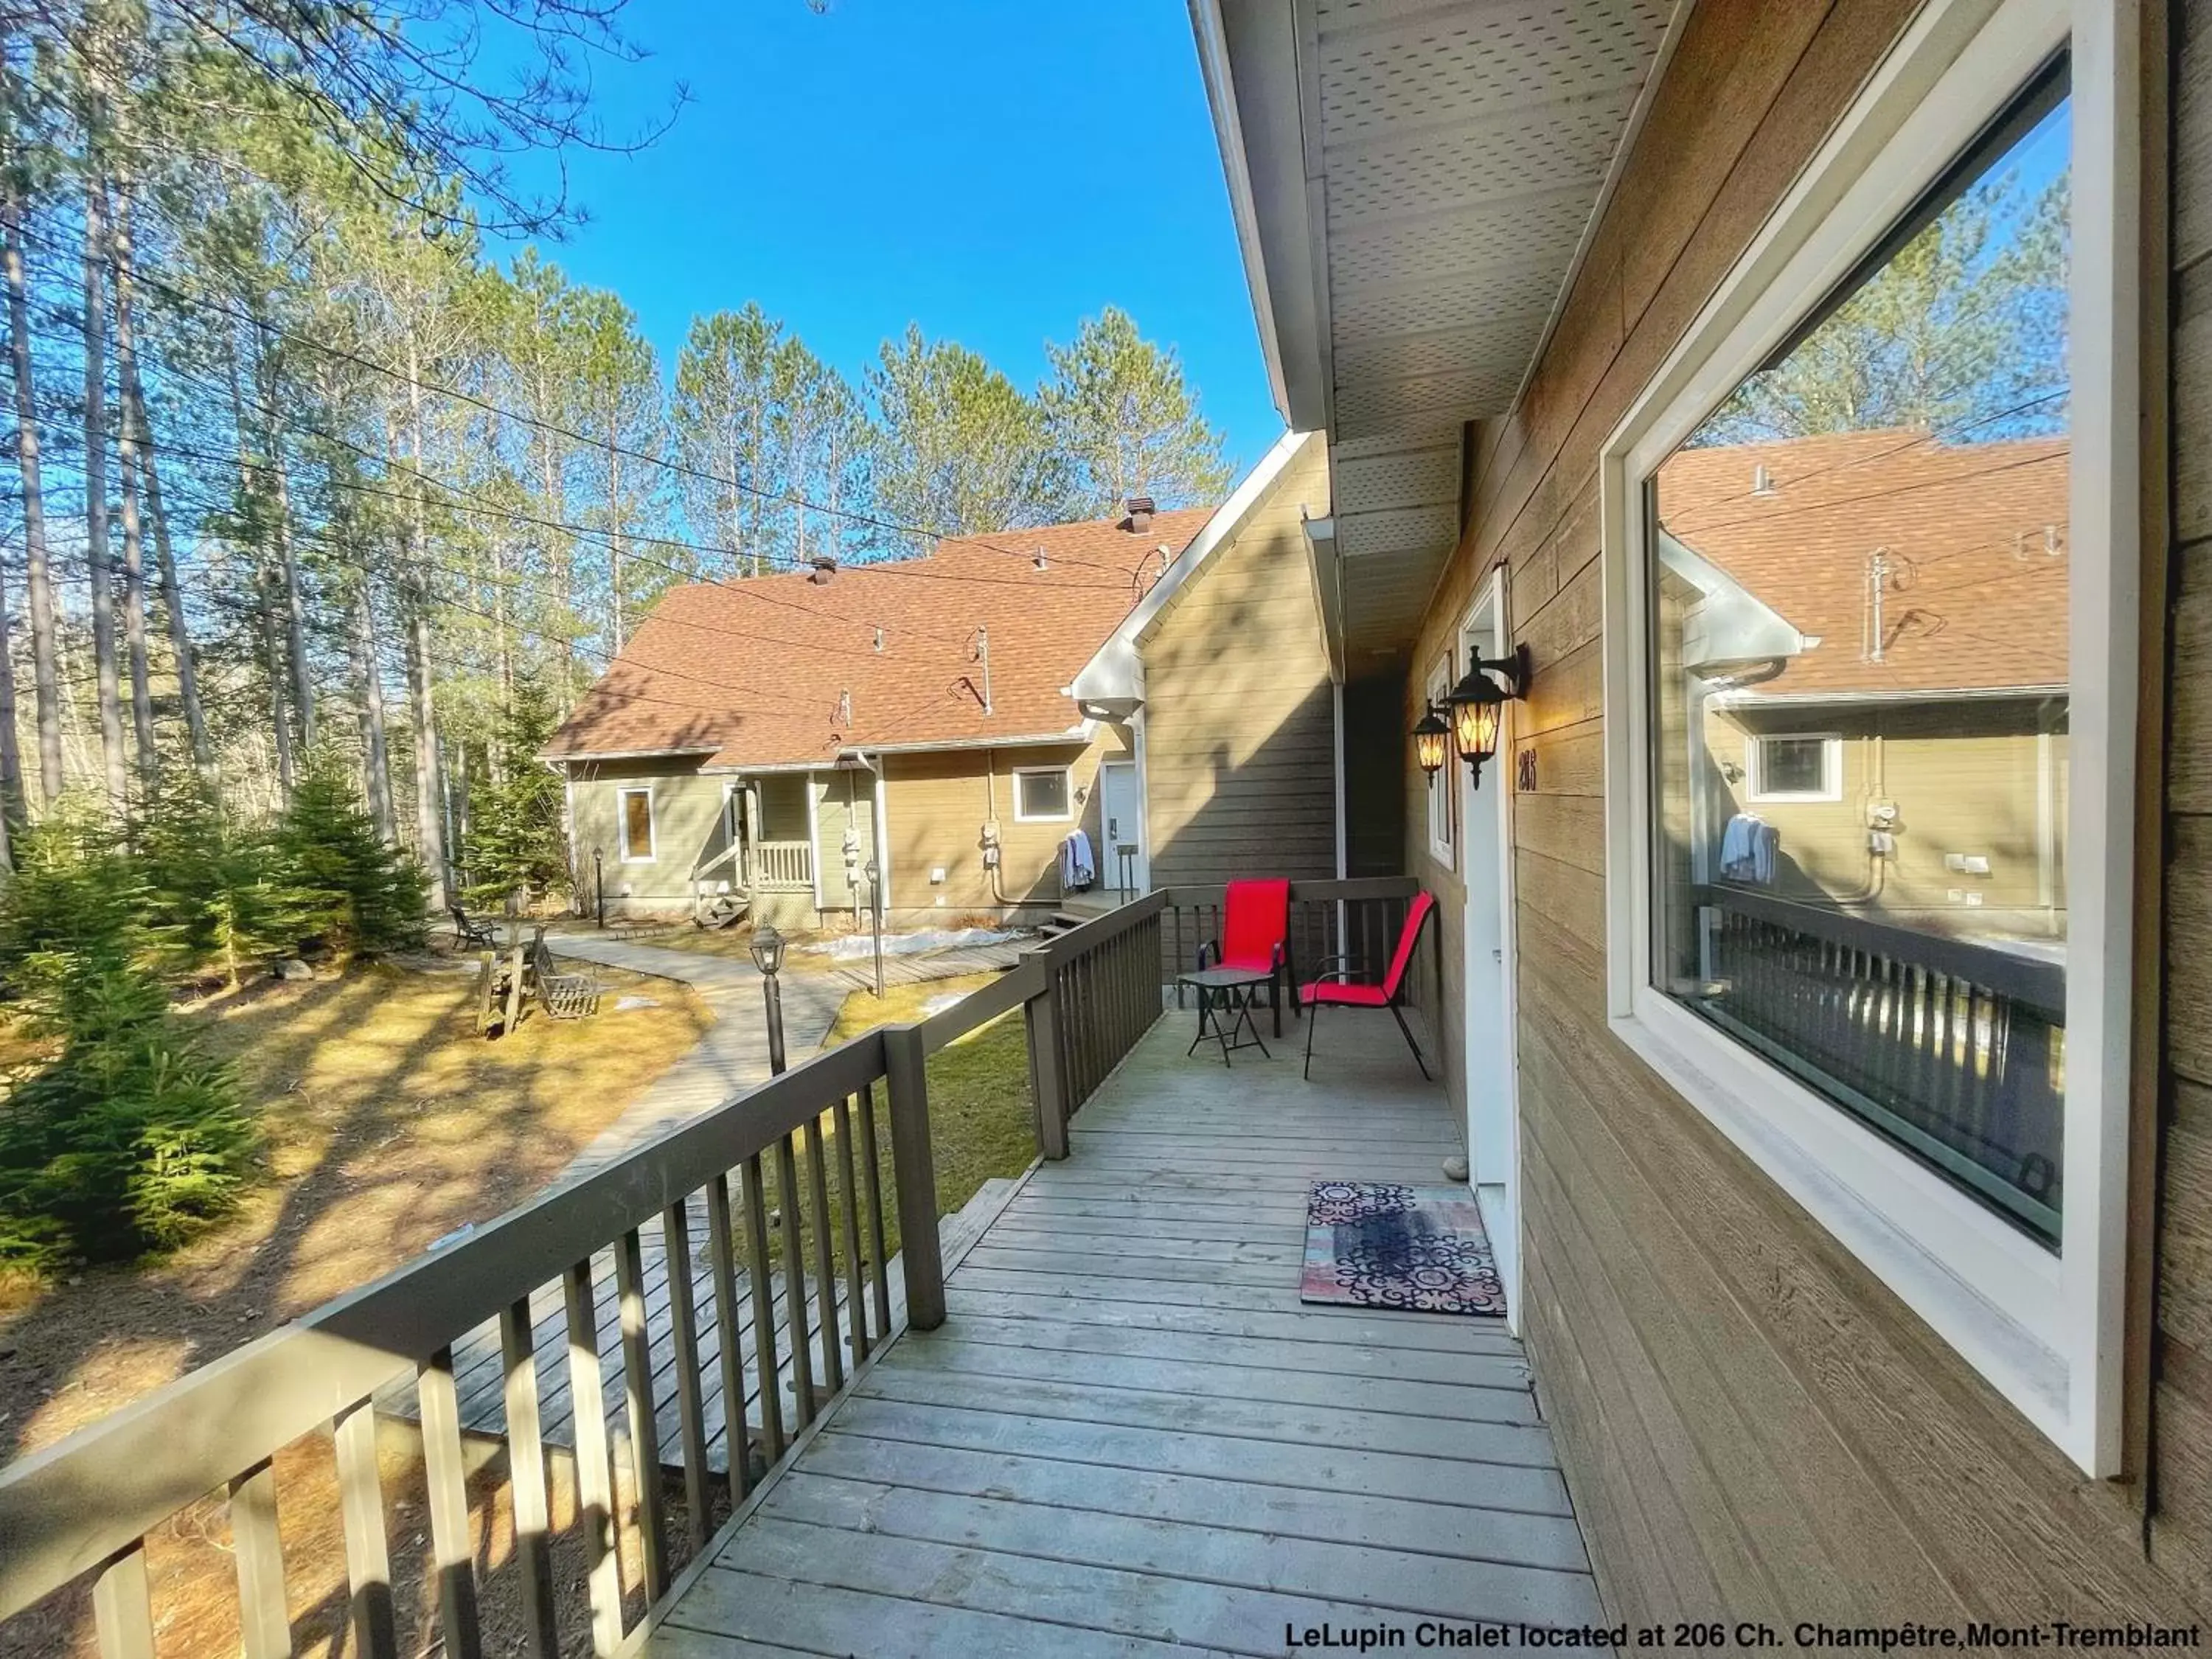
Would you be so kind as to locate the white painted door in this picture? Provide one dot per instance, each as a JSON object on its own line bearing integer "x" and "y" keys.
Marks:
{"x": 1122, "y": 813}
{"x": 1492, "y": 1126}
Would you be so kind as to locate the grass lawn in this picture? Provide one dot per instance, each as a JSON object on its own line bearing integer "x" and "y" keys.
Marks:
{"x": 980, "y": 1124}
{"x": 389, "y": 1124}
{"x": 980, "y": 1119}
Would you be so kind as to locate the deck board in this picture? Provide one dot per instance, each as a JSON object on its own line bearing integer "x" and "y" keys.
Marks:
{"x": 1131, "y": 1436}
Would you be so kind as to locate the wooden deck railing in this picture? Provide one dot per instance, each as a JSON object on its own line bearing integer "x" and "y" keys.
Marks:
{"x": 1953, "y": 1047}
{"x": 88, "y": 1504}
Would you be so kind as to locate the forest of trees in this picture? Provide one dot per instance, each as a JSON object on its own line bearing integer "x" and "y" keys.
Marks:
{"x": 300, "y": 467}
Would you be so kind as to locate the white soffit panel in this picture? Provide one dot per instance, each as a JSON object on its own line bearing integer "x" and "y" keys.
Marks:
{"x": 1462, "y": 146}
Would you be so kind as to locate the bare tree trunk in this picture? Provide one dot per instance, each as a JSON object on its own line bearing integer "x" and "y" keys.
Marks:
{"x": 296, "y": 610}
{"x": 45, "y": 673}
{"x": 138, "y": 432}
{"x": 115, "y": 774}
{"x": 134, "y": 617}
{"x": 614, "y": 529}
{"x": 376, "y": 755}
{"x": 280, "y": 726}
{"x": 430, "y": 814}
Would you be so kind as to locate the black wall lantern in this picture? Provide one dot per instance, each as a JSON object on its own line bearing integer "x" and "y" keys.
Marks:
{"x": 1431, "y": 741}
{"x": 1478, "y": 706}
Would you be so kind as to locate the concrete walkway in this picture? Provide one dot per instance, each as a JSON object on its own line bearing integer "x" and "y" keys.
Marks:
{"x": 730, "y": 1058}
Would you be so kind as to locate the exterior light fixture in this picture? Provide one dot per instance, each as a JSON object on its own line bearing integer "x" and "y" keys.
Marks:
{"x": 767, "y": 947}
{"x": 768, "y": 950}
{"x": 1478, "y": 706}
{"x": 1431, "y": 741}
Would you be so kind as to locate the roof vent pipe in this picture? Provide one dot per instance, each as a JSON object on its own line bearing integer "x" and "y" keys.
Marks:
{"x": 825, "y": 566}
{"x": 1140, "y": 514}
{"x": 1762, "y": 481}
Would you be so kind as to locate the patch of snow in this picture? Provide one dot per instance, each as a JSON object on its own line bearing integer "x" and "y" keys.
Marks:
{"x": 854, "y": 947}
{"x": 630, "y": 1002}
{"x": 944, "y": 1000}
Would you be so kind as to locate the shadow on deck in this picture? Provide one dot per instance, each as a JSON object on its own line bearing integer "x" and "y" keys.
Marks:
{"x": 1130, "y": 1435}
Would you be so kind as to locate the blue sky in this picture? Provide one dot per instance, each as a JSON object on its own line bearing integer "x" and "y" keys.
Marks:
{"x": 994, "y": 170}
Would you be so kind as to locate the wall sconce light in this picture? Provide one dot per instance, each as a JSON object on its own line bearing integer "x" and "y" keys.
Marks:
{"x": 1431, "y": 741}
{"x": 1478, "y": 706}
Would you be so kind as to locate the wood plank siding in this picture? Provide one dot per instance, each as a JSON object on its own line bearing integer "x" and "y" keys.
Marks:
{"x": 1750, "y": 1424}
{"x": 1240, "y": 743}
{"x": 2181, "y": 1418}
{"x": 687, "y": 824}
{"x": 935, "y": 806}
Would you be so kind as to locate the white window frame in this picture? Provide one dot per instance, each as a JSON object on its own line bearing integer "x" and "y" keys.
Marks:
{"x": 1442, "y": 848}
{"x": 2046, "y": 1331}
{"x": 1832, "y": 766}
{"x": 1067, "y": 815}
{"x": 651, "y": 852}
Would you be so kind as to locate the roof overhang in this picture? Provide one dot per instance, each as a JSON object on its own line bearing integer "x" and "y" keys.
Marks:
{"x": 1415, "y": 183}
{"x": 586, "y": 757}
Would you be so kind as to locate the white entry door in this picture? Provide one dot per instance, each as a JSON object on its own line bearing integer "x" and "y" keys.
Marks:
{"x": 1492, "y": 1094}
{"x": 1121, "y": 815}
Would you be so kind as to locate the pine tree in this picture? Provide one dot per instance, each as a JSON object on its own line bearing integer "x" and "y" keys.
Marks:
{"x": 357, "y": 896}
{"x": 517, "y": 833}
{"x": 131, "y": 1139}
{"x": 1124, "y": 423}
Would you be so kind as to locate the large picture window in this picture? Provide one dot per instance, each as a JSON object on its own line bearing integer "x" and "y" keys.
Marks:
{"x": 1873, "y": 527}
{"x": 1872, "y": 535}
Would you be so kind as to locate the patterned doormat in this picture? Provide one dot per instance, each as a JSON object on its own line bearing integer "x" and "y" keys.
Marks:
{"x": 1370, "y": 1244}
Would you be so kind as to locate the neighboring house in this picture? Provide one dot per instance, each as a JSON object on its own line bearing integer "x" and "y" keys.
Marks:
{"x": 1159, "y": 681}
{"x": 1859, "y": 1252}
{"x": 760, "y": 742}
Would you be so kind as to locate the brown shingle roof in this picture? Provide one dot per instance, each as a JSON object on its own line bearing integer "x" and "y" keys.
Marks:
{"x": 758, "y": 672}
{"x": 1976, "y": 603}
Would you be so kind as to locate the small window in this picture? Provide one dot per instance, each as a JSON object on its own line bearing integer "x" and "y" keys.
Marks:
{"x": 636, "y": 826}
{"x": 1795, "y": 767}
{"x": 1445, "y": 780}
{"x": 1042, "y": 795}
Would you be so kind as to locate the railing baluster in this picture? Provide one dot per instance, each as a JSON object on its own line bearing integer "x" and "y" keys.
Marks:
{"x": 794, "y": 1285}
{"x": 264, "y": 1623}
{"x": 526, "y": 1474}
{"x": 690, "y": 1407}
{"x": 360, "y": 1513}
{"x": 721, "y": 1261}
{"x": 595, "y": 1495}
{"x": 767, "y": 1365}
{"x": 446, "y": 1478}
{"x": 849, "y": 1194}
{"x": 825, "y": 1262}
{"x": 123, "y": 1606}
{"x": 637, "y": 1395}
{"x": 880, "y": 1269}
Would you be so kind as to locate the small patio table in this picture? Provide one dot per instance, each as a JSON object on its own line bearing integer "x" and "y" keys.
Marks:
{"x": 1226, "y": 993}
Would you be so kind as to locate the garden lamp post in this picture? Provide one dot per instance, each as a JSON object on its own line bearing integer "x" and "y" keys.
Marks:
{"x": 767, "y": 957}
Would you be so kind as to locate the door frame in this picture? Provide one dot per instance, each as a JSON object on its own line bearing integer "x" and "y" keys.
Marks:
{"x": 1143, "y": 839}
{"x": 1487, "y": 630}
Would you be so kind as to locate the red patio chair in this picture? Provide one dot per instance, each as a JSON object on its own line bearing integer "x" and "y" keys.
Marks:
{"x": 1337, "y": 989}
{"x": 1255, "y": 936}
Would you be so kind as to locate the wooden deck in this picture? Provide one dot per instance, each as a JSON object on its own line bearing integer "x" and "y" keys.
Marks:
{"x": 1130, "y": 1436}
